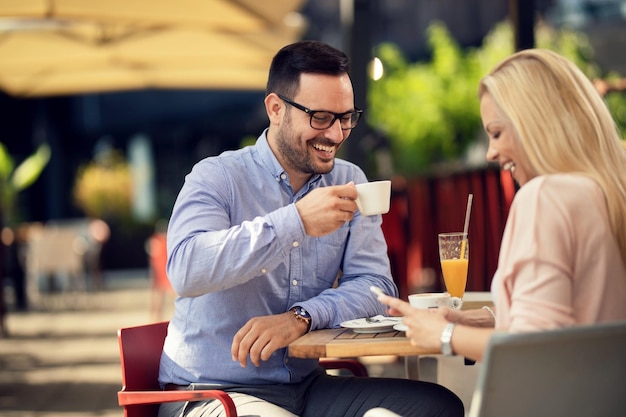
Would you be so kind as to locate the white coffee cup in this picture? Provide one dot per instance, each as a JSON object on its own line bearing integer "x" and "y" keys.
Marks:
{"x": 434, "y": 300}
{"x": 373, "y": 197}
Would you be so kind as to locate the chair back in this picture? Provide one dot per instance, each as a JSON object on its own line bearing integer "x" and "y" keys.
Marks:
{"x": 140, "y": 355}
{"x": 572, "y": 372}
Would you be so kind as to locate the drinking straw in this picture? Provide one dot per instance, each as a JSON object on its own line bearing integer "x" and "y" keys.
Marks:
{"x": 466, "y": 227}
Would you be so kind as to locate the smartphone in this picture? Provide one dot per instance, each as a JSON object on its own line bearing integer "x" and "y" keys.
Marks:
{"x": 376, "y": 290}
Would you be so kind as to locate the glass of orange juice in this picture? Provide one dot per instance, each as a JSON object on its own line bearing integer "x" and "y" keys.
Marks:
{"x": 454, "y": 257}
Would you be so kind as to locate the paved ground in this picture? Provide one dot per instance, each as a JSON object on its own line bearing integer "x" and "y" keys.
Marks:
{"x": 64, "y": 362}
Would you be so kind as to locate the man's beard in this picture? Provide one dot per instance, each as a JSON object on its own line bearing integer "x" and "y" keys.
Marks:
{"x": 296, "y": 154}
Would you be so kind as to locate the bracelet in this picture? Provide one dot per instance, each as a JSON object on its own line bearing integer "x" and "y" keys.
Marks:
{"x": 490, "y": 312}
{"x": 446, "y": 340}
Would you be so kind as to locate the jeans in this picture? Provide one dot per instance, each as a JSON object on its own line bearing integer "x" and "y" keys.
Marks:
{"x": 322, "y": 395}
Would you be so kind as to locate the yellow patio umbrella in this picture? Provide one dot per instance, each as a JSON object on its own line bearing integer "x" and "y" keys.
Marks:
{"x": 78, "y": 46}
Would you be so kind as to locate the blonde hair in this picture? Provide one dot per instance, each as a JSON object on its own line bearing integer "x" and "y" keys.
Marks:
{"x": 562, "y": 124}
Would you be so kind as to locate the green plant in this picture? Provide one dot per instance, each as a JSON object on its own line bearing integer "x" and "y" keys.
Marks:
{"x": 103, "y": 187}
{"x": 14, "y": 179}
{"x": 429, "y": 110}
{"x": 617, "y": 104}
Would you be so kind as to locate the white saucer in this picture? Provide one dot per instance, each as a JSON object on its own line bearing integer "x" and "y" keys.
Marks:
{"x": 362, "y": 326}
{"x": 401, "y": 327}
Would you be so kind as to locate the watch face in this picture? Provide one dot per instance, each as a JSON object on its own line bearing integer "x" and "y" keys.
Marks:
{"x": 302, "y": 312}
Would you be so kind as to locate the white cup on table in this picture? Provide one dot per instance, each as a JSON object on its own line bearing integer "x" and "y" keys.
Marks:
{"x": 434, "y": 300}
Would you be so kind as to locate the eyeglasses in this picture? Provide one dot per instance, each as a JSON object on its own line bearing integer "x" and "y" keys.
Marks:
{"x": 322, "y": 119}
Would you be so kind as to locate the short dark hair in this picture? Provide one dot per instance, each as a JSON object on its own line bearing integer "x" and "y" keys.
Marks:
{"x": 303, "y": 57}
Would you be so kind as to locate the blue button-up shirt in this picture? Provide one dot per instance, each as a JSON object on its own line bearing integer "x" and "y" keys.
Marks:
{"x": 237, "y": 249}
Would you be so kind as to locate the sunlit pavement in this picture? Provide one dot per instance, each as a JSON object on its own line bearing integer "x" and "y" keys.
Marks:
{"x": 64, "y": 360}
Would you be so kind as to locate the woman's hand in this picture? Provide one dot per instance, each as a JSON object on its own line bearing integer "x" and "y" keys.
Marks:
{"x": 424, "y": 326}
{"x": 452, "y": 315}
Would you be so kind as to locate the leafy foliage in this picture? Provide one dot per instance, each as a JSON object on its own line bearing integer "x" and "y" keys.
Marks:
{"x": 103, "y": 187}
{"x": 617, "y": 104}
{"x": 429, "y": 110}
{"x": 15, "y": 179}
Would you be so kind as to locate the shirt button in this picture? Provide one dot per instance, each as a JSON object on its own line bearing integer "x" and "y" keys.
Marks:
{"x": 295, "y": 244}
{"x": 294, "y": 282}
{"x": 264, "y": 271}
{"x": 283, "y": 176}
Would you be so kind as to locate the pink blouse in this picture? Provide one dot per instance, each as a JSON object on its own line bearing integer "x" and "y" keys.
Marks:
{"x": 558, "y": 264}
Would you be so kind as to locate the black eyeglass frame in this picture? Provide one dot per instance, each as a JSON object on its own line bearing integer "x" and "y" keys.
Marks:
{"x": 336, "y": 116}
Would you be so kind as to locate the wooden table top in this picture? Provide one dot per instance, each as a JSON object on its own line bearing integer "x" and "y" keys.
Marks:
{"x": 345, "y": 343}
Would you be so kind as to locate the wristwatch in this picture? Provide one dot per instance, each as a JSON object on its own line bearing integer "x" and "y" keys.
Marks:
{"x": 446, "y": 338}
{"x": 301, "y": 314}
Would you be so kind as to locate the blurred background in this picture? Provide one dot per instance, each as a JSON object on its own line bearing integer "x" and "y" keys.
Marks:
{"x": 105, "y": 106}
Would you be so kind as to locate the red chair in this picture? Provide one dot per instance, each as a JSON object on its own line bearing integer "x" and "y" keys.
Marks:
{"x": 355, "y": 367}
{"x": 140, "y": 354}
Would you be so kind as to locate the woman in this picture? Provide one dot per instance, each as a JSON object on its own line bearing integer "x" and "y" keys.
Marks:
{"x": 562, "y": 260}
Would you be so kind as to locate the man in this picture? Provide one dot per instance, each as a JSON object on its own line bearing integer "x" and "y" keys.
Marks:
{"x": 257, "y": 240}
